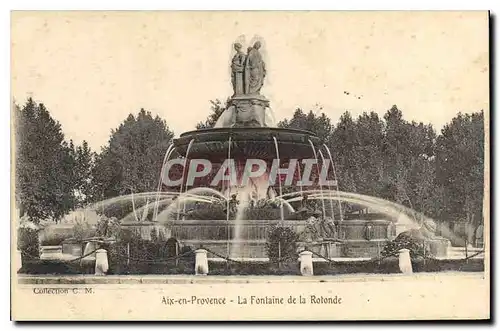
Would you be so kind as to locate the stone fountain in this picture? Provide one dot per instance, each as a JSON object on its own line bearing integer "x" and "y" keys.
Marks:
{"x": 247, "y": 130}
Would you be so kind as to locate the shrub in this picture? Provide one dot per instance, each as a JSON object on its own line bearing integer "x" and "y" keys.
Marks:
{"x": 107, "y": 227}
{"x": 82, "y": 230}
{"x": 138, "y": 256}
{"x": 281, "y": 244}
{"x": 137, "y": 251}
{"x": 28, "y": 243}
{"x": 189, "y": 251}
{"x": 154, "y": 235}
{"x": 411, "y": 240}
{"x": 54, "y": 239}
{"x": 126, "y": 235}
{"x": 253, "y": 268}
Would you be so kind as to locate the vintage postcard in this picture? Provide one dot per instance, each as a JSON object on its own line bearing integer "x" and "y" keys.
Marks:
{"x": 229, "y": 165}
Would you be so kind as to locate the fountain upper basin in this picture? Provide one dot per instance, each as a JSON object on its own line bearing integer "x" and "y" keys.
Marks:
{"x": 247, "y": 142}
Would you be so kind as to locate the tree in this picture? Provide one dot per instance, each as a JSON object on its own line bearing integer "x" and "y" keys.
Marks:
{"x": 413, "y": 240}
{"x": 84, "y": 164}
{"x": 106, "y": 176}
{"x": 343, "y": 144}
{"x": 357, "y": 146}
{"x": 406, "y": 162}
{"x": 217, "y": 108}
{"x": 281, "y": 244}
{"x": 318, "y": 124}
{"x": 132, "y": 160}
{"x": 43, "y": 168}
{"x": 394, "y": 147}
{"x": 369, "y": 154}
{"x": 422, "y": 191}
{"x": 409, "y": 164}
{"x": 460, "y": 167}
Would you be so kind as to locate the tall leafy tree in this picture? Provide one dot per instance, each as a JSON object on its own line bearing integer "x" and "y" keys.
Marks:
{"x": 83, "y": 170}
{"x": 367, "y": 161}
{"x": 43, "y": 164}
{"x": 421, "y": 190}
{"x": 409, "y": 162}
{"x": 318, "y": 124}
{"x": 405, "y": 161}
{"x": 394, "y": 148}
{"x": 107, "y": 176}
{"x": 133, "y": 158}
{"x": 343, "y": 145}
{"x": 460, "y": 167}
{"x": 389, "y": 158}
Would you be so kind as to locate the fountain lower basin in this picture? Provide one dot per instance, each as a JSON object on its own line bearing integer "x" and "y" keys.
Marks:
{"x": 246, "y": 143}
{"x": 218, "y": 236}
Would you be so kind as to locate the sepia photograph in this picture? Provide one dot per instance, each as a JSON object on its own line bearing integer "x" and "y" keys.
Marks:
{"x": 250, "y": 165}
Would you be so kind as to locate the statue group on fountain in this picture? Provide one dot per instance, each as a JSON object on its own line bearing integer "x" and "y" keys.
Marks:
{"x": 233, "y": 206}
{"x": 318, "y": 227}
{"x": 247, "y": 107}
{"x": 307, "y": 208}
{"x": 247, "y": 70}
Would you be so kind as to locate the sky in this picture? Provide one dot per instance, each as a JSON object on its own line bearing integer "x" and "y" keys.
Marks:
{"x": 91, "y": 69}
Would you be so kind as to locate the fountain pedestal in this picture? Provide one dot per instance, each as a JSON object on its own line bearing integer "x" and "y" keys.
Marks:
{"x": 249, "y": 110}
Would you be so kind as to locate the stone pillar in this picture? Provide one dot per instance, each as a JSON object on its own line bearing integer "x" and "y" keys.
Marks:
{"x": 101, "y": 262}
{"x": 201, "y": 264}
{"x": 18, "y": 260}
{"x": 405, "y": 261}
{"x": 306, "y": 263}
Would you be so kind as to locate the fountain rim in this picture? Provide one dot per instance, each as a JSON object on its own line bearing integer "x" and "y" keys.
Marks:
{"x": 208, "y": 141}
{"x": 237, "y": 130}
{"x": 287, "y": 222}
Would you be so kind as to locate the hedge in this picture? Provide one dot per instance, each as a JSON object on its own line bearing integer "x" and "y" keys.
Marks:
{"x": 52, "y": 267}
{"x": 186, "y": 266}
